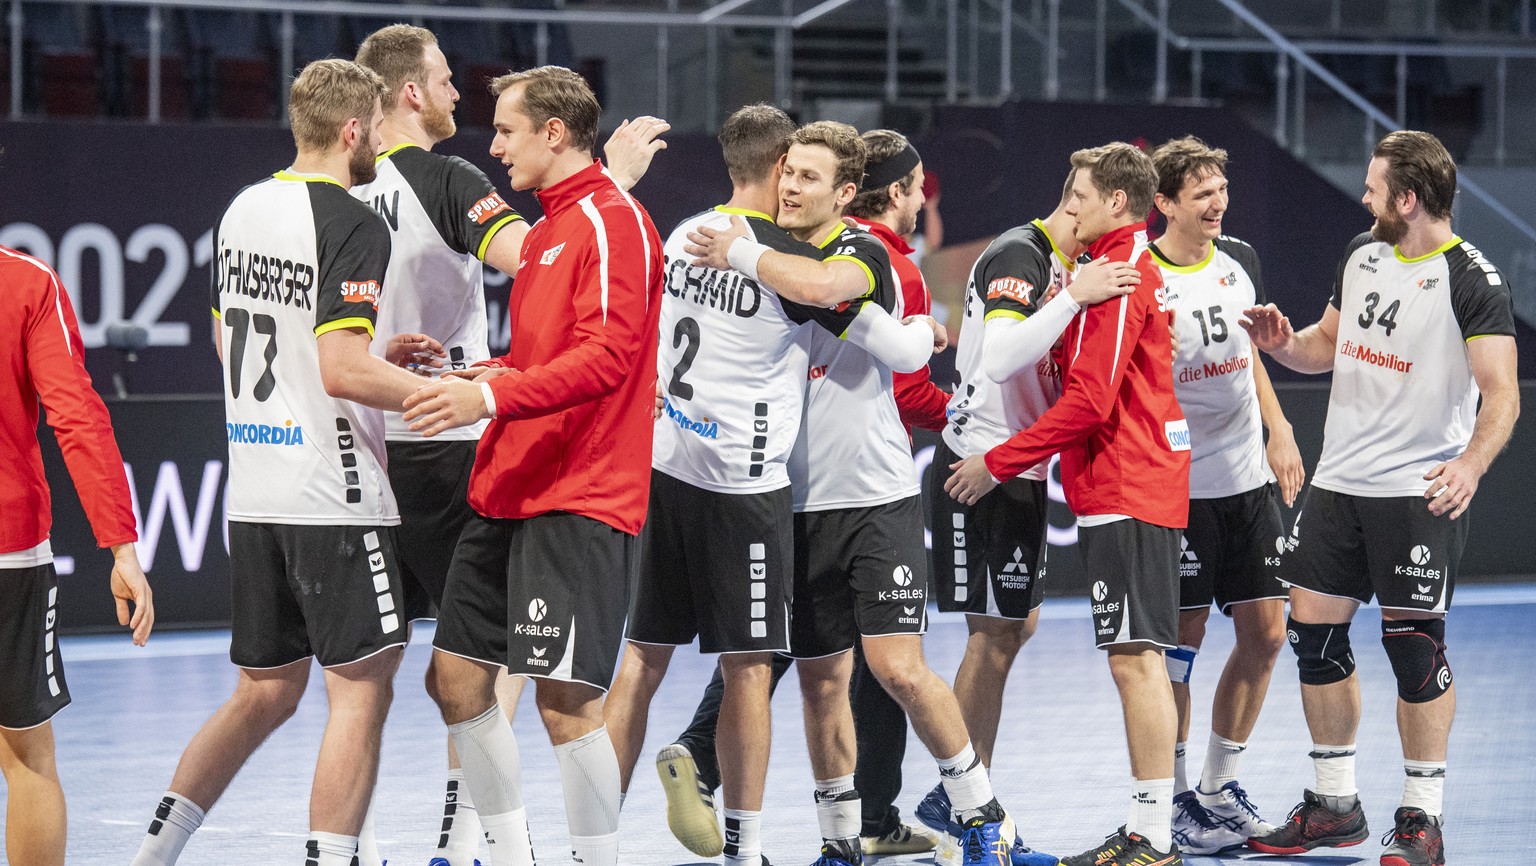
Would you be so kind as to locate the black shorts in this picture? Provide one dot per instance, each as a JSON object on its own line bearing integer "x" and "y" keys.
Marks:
{"x": 1393, "y": 547}
{"x": 858, "y": 571}
{"x": 714, "y": 566}
{"x": 431, "y": 484}
{"x": 1135, "y": 596}
{"x": 988, "y": 558}
{"x": 562, "y": 582}
{"x": 1232, "y": 550}
{"x": 32, "y": 686}
{"x": 332, "y": 592}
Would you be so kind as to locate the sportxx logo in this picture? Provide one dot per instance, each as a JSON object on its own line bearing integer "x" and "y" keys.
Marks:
{"x": 360, "y": 292}
{"x": 1011, "y": 288}
{"x": 551, "y": 254}
{"x": 488, "y": 207}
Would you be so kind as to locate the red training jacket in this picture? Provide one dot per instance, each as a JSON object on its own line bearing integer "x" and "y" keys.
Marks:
{"x": 44, "y": 359}
{"x": 573, "y": 420}
{"x": 920, "y": 402}
{"x": 1123, "y": 440}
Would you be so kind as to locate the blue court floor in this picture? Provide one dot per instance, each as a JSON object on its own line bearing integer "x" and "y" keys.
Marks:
{"x": 1060, "y": 767}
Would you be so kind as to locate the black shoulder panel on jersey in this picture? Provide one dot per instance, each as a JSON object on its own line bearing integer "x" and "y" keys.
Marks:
{"x": 1247, "y": 257}
{"x": 1014, "y": 271}
{"x": 1338, "y": 280}
{"x": 1480, "y": 294}
{"x": 463, "y": 205}
{"x": 866, "y": 249}
{"x": 768, "y": 233}
{"x": 352, "y": 254}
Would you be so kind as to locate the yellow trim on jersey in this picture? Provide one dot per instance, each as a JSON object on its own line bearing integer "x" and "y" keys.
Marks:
{"x": 867, "y": 272}
{"x": 1004, "y": 314}
{"x": 392, "y": 151}
{"x": 741, "y": 211}
{"x": 1182, "y": 269}
{"x": 1455, "y": 239}
{"x": 217, "y": 316}
{"x": 1040, "y": 224}
{"x": 339, "y": 324}
{"x": 837, "y": 232}
{"x": 285, "y": 174}
{"x": 500, "y": 224}
{"x": 1480, "y": 336}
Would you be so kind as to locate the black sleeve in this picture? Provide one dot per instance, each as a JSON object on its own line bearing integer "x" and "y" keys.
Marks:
{"x": 352, "y": 242}
{"x": 834, "y": 319}
{"x": 214, "y": 271}
{"x": 463, "y": 205}
{"x": 1013, "y": 279}
{"x": 1248, "y": 258}
{"x": 1480, "y": 295}
{"x": 1338, "y": 281}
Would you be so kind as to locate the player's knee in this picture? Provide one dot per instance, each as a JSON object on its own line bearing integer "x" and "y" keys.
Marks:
{"x": 1181, "y": 663}
{"x": 1416, "y": 648}
{"x": 30, "y": 750}
{"x": 1004, "y": 637}
{"x": 270, "y": 702}
{"x": 1323, "y": 655}
{"x": 1262, "y": 643}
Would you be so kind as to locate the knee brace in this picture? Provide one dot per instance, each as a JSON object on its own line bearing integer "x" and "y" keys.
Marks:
{"x": 1416, "y": 648}
{"x": 1181, "y": 662}
{"x": 1322, "y": 651}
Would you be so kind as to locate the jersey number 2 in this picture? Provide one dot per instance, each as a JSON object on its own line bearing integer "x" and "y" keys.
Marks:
{"x": 687, "y": 329}
{"x": 240, "y": 322}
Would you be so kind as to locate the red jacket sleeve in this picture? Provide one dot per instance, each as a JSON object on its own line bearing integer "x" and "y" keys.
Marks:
{"x": 920, "y": 402}
{"x": 611, "y": 297}
{"x": 1095, "y": 370}
{"x": 56, "y": 362}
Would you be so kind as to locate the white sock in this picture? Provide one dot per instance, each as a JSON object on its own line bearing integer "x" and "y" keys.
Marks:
{"x": 743, "y": 838}
{"x": 330, "y": 849}
{"x": 1221, "y": 757}
{"x": 1152, "y": 811}
{"x": 367, "y": 844}
{"x": 838, "y": 809}
{"x": 461, "y": 834}
{"x": 1424, "y": 786}
{"x": 176, "y": 819}
{"x": 1180, "y": 775}
{"x": 1335, "y": 766}
{"x": 488, "y": 752}
{"x": 589, "y": 775}
{"x": 966, "y": 782}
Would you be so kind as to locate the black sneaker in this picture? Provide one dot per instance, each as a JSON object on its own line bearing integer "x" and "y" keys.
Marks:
{"x": 1125, "y": 848}
{"x": 1313, "y": 825}
{"x": 1415, "y": 841}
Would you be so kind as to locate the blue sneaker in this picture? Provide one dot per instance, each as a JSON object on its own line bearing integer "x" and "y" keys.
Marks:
{"x": 836, "y": 854}
{"x": 987, "y": 843}
{"x": 1023, "y": 855}
{"x": 934, "y": 812}
{"x": 439, "y": 861}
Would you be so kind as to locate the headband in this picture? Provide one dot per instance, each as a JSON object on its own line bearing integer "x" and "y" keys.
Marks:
{"x": 879, "y": 175}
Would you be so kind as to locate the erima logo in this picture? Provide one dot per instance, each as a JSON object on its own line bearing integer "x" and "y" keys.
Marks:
{"x": 551, "y": 254}
{"x": 1104, "y": 622}
{"x": 537, "y": 609}
{"x": 908, "y": 610}
{"x": 538, "y": 651}
{"x": 1424, "y": 588}
{"x": 1419, "y": 554}
{"x": 1373, "y": 260}
{"x": 902, "y": 575}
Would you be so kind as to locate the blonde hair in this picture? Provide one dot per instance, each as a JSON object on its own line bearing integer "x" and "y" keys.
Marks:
{"x": 398, "y": 54}
{"x": 1124, "y": 167}
{"x": 843, "y": 140}
{"x": 326, "y": 95}
{"x": 554, "y": 91}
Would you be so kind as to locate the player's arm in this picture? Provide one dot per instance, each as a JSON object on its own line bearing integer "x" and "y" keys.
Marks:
{"x": 1453, "y": 483}
{"x": 1309, "y": 350}
{"x": 796, "y": 278}
{"x": 631, "y": 148}
{"x": 904, "y": 346}
{"x": 1019, "y": 330}
{"x": 505, "y": 250}
{"x": 919, "y": 401}
{"x": 348, "y": 371}
{"x": 1281, "y": 451}
{"x": 56, "y": 365}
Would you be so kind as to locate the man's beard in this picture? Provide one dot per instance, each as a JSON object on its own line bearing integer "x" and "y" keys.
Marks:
{"x": 1389, "y": 228}
{"x": 437, "y": 119}
{"x": 362, "y": 165}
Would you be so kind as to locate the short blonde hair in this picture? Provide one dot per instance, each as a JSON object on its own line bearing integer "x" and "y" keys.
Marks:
{"x": 1121, "y": 166}
{"x": 843, "y": 140}
{"x": 326, "y": 95}
{"x": 399, "y": 54}
{"x": 554, "y": 91}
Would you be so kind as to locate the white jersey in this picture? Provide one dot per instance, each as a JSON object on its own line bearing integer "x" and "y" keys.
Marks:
{"x": 853, "y": 450}
{"x": 1213, "y": 370}
{"x": 731, "y": 367}
{"x": 1403, "y": 398}
{"x": 1009, "y": 280}
{"x": 442, "y": 213}
{"x": 296, "y": 257}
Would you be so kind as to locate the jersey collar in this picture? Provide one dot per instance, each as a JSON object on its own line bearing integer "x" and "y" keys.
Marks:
{"x": 836, "y": 232}
{"x": 573, "y": 189}
{"x": 1066, "y": 262}
{"x": 1440, "y": 250}
{"x": 1115, "y": 237}
{"x": 393, "y": 150}
{"x": 887, "y": 235}
{"x": 742, "y": 211}
{"x": 1167, "y": 264}
{"x": 301, "y": 177}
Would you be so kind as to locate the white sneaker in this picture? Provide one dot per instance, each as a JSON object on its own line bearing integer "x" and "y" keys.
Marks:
{"x": 905, "y": 839}
{"x": 1228, "y": 824}
{"x": 690, "y": 806}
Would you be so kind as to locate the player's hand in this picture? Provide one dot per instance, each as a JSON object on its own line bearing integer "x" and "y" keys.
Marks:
{"x": 661, "y": 403}
{"x": 940, "y": 333}
{"x": 709, "y": 246}
{"x": 632, "y": 146}
{"x": 130, "y": 585}
{"x": 1451, "y": 486}
{"x": 1103, "y": 280}
{"x": 971, "y": 480}
{"x": 1267, "y": 327}
{"x": 444, "y": 405}
{"x": 1285, "y": 461}
{"x": 418, "y": 353}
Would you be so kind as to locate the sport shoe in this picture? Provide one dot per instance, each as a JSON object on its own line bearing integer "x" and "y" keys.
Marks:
{"x": 987, "y": 843}
{"x": 1202, "y": 829}
{"x": 839, "y": 853}
{"x": 1313, "y": 825}
{"x": 934, "y": 811}
{"x": 1415, "y": 841}
{"x": 1124, "y": 848}
{"x": 690, "y": 804}
{"x": 438, "y": 861}
{"x": 904, "y": 839}
{"x": 1023, "y": 855}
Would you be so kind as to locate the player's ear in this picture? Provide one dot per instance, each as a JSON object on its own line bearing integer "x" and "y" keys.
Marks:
{"x": 555, "y": 132}
{"x": 845, "y": 194}
{"x": 1163, "y": 203}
